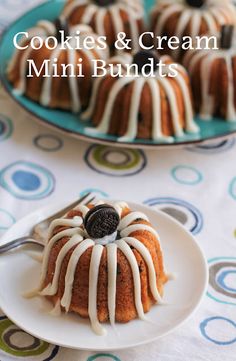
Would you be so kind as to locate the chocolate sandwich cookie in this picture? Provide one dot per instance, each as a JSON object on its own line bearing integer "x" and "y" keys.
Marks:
{"x": 101, "y": 221}
{"x": 61, "y": 24}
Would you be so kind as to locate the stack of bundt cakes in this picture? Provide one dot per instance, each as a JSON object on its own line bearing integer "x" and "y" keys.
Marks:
{"x": 103, "y": 262}
{"x": 213, "y": 77}
{"x": 108, "y": 18}
{"x": 157, "y": 108}
{"x": 68, "y": 91}
{"x": 190, "y": 18}
{"x": 132, "y": 107}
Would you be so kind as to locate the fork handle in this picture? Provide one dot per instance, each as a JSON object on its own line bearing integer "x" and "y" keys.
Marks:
{"x": 19, "y": 242}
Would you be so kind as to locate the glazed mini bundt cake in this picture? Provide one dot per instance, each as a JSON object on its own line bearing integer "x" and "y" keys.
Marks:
{"x": 132, "y": 107}
{"x": 213, "y": 76}
{"x": 103, "y": 262}
{"x": 62, "y": 91}
{"x": 108, "y": 18}
{"x": 190, "y": 18}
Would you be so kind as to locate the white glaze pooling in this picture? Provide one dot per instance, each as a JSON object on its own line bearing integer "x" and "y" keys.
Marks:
{"x": 45, "y": 29}
{"x": 132, "y": 8}
{"x": 213, "y": 14}
{"x": 155, "y": 84}
{"x": 206, "y": 59}
{"x": 78, "y": 243}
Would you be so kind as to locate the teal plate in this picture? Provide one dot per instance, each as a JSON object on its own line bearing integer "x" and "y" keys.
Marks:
{"x": 69, "y": 123}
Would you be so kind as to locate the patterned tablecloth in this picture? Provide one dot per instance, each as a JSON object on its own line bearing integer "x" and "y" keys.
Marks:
{"x": 195, "y": 185}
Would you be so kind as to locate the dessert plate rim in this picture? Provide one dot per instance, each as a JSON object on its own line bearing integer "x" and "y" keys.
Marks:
{"x": 94, "y": 342}
{"x": 68, "y": 123}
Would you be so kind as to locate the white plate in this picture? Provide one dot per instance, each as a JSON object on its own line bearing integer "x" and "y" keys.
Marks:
{"x": 182, "y": 255}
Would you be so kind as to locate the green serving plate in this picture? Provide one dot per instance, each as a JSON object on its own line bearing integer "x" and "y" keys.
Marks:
{"x": 70, "y": 123}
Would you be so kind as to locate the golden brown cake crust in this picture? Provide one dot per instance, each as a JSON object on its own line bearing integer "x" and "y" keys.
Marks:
{"x": 125, "y": 303}
{"x": 76, "y": 17}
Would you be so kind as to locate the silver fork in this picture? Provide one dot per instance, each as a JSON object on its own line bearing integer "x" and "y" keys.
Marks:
{"x": 36, "y": 237}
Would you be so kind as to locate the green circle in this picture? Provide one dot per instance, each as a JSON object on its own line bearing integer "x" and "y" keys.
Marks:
{"x": 97, "y": 356}
{"x": 9, "y": 130}
{"x": 98, "y": 152}
{"x": 4, "y": 325}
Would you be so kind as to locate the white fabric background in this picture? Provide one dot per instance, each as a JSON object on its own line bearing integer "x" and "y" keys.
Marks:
{"x": 205, "y": 179}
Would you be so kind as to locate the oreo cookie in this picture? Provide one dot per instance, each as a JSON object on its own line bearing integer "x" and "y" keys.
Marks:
{"x": 61, "y": 25}
{"x": 143, "y": 57}
{"x": 105, "y": 2}
{"x": 101, "y": 221}
{"x": 195, "y": 3}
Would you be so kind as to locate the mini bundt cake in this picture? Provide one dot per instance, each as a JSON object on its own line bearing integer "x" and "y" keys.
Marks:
{"x": 132, "y": 107}
{"x": 213, "y": 76}
{"x": 103, "y": 262}
{"x": 62, "y": 91}
{"x": 190, "y": 18}
{"x": 108, "y": 18}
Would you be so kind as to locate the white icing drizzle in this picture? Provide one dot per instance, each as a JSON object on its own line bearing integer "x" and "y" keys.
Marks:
{"x": 112, "y": 269}
{"x": 156, "y": 112}
{"x": 122, "y": 245}
{"x": 31, "y": 294}
{"x": 137, "y": 227}
{"x": 213, "y": 14}
{"x": 93, "y": 281}
{"x": 139, "y": 246}
{"x": 119, "y": 206}
{"x": 107, "y": 239}
{"x": 134, "y": 109}
{"x": 74, "y": 90}
{"x": 66, "y": 233}
{"x": 70, "y": 273}
{"x": 130, "y": 218}
{"x": 77, "y": 240}
{"x": 56, "y": 311}
{"x": 52, "y": 288}
{"x": 63, "y": 222}
{"x": 133, "y": 9}
{"x": 44, "y": 29}
{"x": 190, "y": 126}
{"x": 45, "y": 96}
{"x": 83, "y": 209}
{"x": 206, "y": 59}
{"x": 170, "y": 93}
{"x": 154, "y": 86}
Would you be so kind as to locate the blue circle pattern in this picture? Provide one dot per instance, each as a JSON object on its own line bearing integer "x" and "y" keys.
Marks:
{"x": 27, "y": 180}
{"x": 232, "y": 188}
{"x": 6, "y": 127}
{"x": 10, "y": 218}
{"x": 94, "y": 191}
{"x": 56, "y": 145}
{"x": 221, "y": 280}
{"x": 197, "y": 227}
{"x": 102, "y": 355}
{"x": 198, "y": 176}
{"x": 219, "y": 296}
{"x": 213, "y": 148}
{"x": 203, "y": 329}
